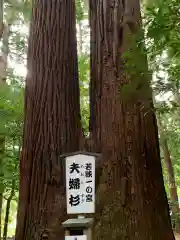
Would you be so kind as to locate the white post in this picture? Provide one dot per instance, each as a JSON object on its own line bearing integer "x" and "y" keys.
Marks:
{"x": 81, "y": 216}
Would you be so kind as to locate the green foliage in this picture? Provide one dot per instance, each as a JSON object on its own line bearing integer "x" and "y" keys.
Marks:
{"x": 19, "y": 10}
{"x": 11, "y": 109}
{"x": 162, "y": 19}
{"x": 11, "y": 119}
{"x": 163, "y": 39}
{"x": 83, "y": 61}
{"x": 79, "y": 10}
{"x": 16, "y": 14}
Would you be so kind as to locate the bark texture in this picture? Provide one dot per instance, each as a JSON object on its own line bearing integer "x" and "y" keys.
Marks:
{"x": 131, "y": 199}
{"x": 52, "y": 119}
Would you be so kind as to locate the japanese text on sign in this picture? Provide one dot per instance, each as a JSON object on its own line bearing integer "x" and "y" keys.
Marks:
{"x": 80, "y": 184}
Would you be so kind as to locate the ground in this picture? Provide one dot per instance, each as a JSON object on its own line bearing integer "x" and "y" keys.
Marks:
{"x": 177, "y": 236}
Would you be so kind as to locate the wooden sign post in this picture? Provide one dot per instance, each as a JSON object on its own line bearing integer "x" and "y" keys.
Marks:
{"x": 80, "y": 194}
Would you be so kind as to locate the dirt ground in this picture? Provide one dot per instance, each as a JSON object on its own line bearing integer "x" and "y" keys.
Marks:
{"x": 177, "y": 236}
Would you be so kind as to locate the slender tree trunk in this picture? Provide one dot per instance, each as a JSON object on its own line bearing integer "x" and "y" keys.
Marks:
{"x": 171, "y": 178}
{"x": 10, "y": 198}
{"x": 8, "y": 206}
{"x": 52, "y": 119}
{"x": 1, "y": 182}
{"x": 169, "y": 167}
{"x": 1, "y": 18}
{"x": 1, "y": 204}
{"x": 131, "y": 198}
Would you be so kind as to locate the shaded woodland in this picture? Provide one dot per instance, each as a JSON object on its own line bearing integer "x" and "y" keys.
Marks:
{"x": 96, "y": 76}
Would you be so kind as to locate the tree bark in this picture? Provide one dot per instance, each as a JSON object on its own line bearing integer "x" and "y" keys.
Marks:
{"x": 131, "y": 199}
{"x": 8, "y": 206}
{"x": 52, "y": 119}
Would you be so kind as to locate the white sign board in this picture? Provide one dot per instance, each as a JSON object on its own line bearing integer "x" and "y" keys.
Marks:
{"x": 80, "y": 184}
{"x": 82, "y": 237}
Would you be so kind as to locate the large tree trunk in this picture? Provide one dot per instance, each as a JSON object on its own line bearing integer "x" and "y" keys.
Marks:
{"x": 52, "y": 119}
{"x": 131, "y": 199}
